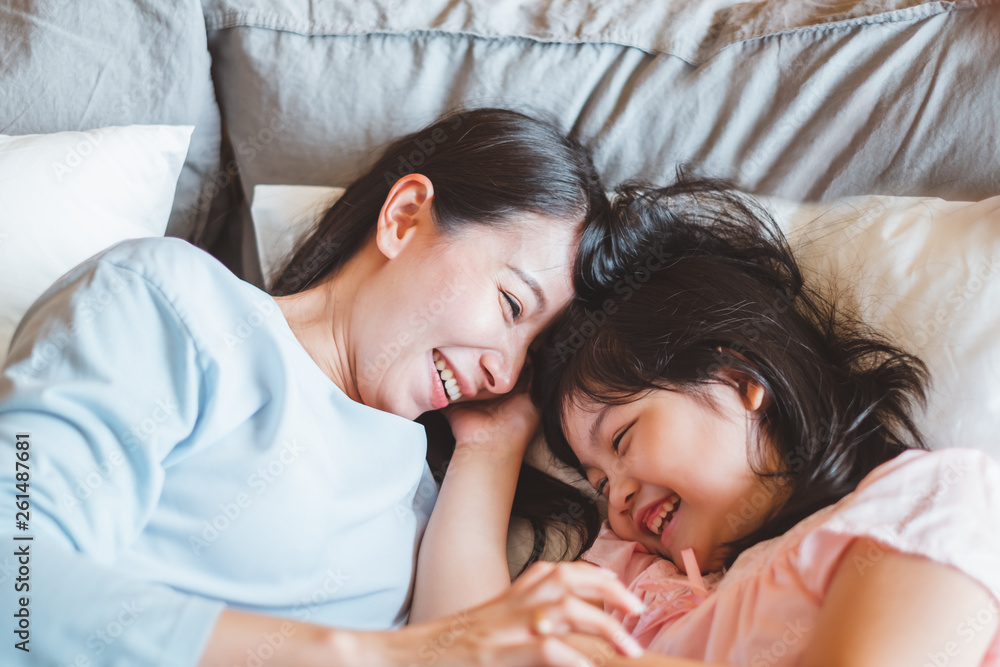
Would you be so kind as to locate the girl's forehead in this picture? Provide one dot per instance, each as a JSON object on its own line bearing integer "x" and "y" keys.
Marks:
{"x": 583, "y": 418}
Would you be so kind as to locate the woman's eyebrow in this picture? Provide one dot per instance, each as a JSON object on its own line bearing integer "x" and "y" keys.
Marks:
{"x": 533, "y": 285}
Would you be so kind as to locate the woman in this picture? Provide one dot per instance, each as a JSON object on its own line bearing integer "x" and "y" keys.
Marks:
{"x": 215, "y": 476}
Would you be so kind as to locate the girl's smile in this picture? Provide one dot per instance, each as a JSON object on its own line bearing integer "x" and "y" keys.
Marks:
{"x": 675, "y": 467}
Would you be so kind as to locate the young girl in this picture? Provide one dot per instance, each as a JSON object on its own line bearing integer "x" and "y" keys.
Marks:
{"x": 738, "y": 426}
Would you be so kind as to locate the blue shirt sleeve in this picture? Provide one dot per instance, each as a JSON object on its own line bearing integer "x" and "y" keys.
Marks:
{"x": 104, "y": 380}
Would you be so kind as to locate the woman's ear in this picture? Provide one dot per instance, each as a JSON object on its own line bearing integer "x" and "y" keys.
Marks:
{"x": 406, "y": 208}
{"x": 752, "y": 393}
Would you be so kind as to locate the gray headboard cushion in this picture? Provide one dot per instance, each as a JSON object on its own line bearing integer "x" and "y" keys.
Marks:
{"x": 783, "y": 97}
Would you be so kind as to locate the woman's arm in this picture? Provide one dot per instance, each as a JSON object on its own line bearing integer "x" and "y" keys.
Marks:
{"x": 463, "y": 554}
{"x": 499, "y": 632}
{"x": 886, "y": 608}
{"x": 599, "y": 652}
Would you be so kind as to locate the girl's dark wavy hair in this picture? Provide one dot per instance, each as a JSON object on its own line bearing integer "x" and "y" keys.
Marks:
{"x": 488, "y": 167}
{"x": 705, "y": 280}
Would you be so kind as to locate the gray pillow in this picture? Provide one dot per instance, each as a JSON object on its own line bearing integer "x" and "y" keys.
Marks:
{"x": 786, "y": 98}
{"x": 83, "y": 65}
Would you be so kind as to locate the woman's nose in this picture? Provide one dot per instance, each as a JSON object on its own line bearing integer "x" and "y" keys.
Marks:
{"x": 500, "y": 372}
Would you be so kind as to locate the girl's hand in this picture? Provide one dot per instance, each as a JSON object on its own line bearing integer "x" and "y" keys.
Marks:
{"x": 526, "y": 624}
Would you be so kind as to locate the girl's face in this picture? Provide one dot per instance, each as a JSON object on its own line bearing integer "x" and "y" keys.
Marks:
{"x": 450, "y": 317}
{"x": 674, "y": 468}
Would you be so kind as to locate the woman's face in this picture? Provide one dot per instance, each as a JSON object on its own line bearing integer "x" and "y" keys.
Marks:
{"x": 676, "y": 454}
{"x": 450, "y": 317}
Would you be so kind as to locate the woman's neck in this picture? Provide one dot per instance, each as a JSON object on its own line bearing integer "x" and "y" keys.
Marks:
{"x": 320, "y": 318}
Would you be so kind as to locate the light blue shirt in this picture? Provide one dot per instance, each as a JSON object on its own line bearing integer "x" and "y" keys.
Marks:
{"x": 186, "y": 454}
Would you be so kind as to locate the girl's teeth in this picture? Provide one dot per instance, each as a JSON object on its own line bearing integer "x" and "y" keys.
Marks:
{"x": 668, "y": 506}
{"x": 439, "y": 364}
{"x": 446, "y": 374}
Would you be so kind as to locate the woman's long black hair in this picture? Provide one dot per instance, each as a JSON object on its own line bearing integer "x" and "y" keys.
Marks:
{"x": 696, "y": 278}
{"x": 488, "y": 168}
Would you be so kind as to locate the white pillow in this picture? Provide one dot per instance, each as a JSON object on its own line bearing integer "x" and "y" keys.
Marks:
{"x": 68, "y": 195}
{"x": 926, "y": 272}
{"x": 282, "y": 216}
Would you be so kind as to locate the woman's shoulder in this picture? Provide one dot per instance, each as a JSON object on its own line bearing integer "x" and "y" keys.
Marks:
{"x": 163, "y": 284}
{"x": 163, "y": 260}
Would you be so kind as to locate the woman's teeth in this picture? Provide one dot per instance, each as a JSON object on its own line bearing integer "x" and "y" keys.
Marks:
{"x": 660, "y": 519}
{"x": 447, "y": 378}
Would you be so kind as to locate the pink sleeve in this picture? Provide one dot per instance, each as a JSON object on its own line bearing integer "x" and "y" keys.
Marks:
{"x": 664, "y": 590}
{"x": 942, "y": 505}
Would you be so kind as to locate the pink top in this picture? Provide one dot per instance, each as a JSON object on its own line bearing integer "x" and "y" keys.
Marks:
{"x": 942, "y": 505}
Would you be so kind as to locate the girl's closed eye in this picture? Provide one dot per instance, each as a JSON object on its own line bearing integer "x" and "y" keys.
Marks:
{"x": 602, "y": 484}
{"x": 616, "y": 441}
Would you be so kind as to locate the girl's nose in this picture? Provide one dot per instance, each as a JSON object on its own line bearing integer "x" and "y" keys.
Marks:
{"x": 623, "y": 495}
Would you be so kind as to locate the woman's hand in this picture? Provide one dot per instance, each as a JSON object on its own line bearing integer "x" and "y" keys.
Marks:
{"x": 526, "y": 624}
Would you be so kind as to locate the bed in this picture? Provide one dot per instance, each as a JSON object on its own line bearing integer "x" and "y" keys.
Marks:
{"x": 870, "y": 127}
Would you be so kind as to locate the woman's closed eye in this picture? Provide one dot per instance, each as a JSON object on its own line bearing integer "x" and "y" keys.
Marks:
{"x": 513, "y": 304}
